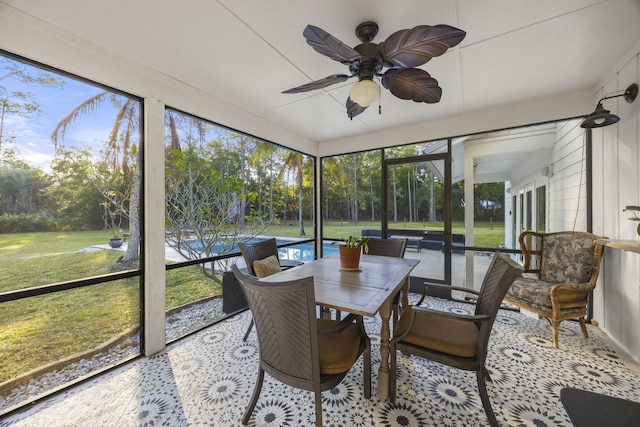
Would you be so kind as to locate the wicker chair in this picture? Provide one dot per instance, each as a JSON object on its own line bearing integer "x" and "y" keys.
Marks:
{"x": 295, "y": 347}
{"x": 259, "y": 251}
{"x": 456, "y": 340}
{"x": 393, "y": 248}
{"x": 560, "y": 270}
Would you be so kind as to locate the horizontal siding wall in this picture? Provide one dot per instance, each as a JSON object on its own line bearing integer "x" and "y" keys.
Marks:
{"x": 616, "y": 183}
{"x": 567, "y": 186}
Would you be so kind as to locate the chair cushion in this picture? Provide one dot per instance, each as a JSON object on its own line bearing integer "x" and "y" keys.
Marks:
{"x": 567, "y": 258}
{"x": 532, "y": 292}
{"x": 266, "y": 267}
{"x": 537, "y": 294}
{"x": 338, "y": 350}
{"x": 440, "y": 333}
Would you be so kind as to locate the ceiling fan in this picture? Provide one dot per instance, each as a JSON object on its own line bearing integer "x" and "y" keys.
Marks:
{"x": 401, "y": 52}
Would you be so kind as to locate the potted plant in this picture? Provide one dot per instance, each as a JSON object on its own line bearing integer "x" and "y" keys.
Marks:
{"x": 350, "y": 250}
{"x": 115, "y": 241}
{"x": 635, "y": 210}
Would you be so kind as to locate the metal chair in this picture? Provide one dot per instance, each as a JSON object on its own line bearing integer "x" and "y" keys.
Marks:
{"x": 456, "y": 340}
{"x": 393, "y": 248}
{"x": 295, "y": 347}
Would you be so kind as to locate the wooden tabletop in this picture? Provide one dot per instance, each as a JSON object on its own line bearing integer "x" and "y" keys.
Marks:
{"x": 625, "y": 245}
{"x": 360, "y": 292}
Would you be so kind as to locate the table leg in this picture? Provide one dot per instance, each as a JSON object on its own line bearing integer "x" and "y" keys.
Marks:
{"x": 404, "y": 302}
{"x": 383, "y": 372}
{"x": 325, "y": 313}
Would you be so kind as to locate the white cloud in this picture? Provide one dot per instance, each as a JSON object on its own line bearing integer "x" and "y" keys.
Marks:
{"x": 37, "y": 159}
{"x": 82, "y": 136}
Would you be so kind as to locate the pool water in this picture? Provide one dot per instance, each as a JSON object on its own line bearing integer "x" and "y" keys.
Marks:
{"x": 305, "y": 251}
{"x": 301, "y": 252}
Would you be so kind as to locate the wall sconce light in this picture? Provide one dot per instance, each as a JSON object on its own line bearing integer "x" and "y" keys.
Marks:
{"x": 601, "y": 117}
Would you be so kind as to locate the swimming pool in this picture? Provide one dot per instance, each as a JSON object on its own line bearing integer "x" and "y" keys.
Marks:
{"x": 301, "y": 252}
{"x": 305, "y": 251}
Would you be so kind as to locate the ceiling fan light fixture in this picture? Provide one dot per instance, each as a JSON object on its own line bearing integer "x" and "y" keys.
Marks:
{"x": 401, "y": 53}
{"x": 602, "y": 117}
{"x": 364, "y": 92}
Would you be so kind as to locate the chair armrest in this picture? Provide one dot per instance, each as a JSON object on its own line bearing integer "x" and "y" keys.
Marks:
{"x": 585, "y": 286}
{"x": 467, "y": 317}
{"x": 455, "y": 288}
{"x": 568, "y": 288}
{"x": 447, "y": 287}
{"x": 470, "y": 318}
{"x": 341, "y": 326}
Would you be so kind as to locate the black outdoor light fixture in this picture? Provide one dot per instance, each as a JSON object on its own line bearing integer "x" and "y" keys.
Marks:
{"x": 601, "y": 117}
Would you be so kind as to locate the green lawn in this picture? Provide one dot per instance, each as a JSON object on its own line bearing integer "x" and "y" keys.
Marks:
{"x": 485, "y": 234}
{"x": 79, "y": 319}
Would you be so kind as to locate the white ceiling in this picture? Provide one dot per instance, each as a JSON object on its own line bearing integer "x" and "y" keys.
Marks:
{"x": 247, "y": 52}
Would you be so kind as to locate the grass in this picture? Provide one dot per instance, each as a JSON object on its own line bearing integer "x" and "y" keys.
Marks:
{"x": 486, "y": 234}
{"x": 38, "y": 330}
{"x": 78, "y": 319}
{"x": 188, "y": 284}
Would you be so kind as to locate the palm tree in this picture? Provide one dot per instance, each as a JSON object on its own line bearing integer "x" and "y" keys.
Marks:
{"x": 262, "y": 152}
{"x": 121, "y": 152}
{"x": 295, "y": 161}
{"x": 331, "y": 168}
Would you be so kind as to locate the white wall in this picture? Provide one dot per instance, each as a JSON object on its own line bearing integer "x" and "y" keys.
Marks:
{"x": 616, "y": 183}
{"x": 567, "y": 186}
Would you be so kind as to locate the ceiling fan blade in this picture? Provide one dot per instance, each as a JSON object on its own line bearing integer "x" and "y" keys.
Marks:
{"x": 412, "y": 83}
{"x": 319, "y": 84}
{"x": 413, "y": 47}
{"x": 326, "y": 44}
{"x": 353, "y": 109}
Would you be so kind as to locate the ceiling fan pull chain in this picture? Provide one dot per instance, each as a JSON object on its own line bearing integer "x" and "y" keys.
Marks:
{"x": 379, "y": 98}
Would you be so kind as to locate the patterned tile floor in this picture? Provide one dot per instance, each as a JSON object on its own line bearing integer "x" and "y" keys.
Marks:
{"x": 207, "y": 380}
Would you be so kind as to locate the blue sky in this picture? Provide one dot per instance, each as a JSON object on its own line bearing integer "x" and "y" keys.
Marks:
{"x": 32, "y": 136}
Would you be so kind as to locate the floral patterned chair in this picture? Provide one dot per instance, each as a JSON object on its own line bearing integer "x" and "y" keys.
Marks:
{"x": 560, "y": 270}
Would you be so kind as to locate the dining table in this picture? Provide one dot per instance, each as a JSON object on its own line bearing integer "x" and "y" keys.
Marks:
{"x": 367, "y": 291}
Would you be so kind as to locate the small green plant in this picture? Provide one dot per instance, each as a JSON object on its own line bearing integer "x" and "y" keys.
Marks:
{"x": 355, "y": 242}
{"x": 636, "y": 212}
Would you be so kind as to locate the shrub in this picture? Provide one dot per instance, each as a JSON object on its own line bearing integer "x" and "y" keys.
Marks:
{"x": 22, "y": 223}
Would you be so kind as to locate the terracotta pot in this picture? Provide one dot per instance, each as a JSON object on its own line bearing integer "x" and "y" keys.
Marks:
{"x": 349, "y": 257}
